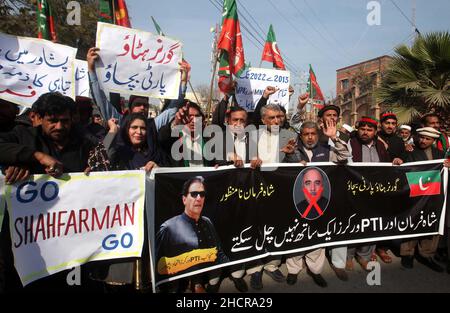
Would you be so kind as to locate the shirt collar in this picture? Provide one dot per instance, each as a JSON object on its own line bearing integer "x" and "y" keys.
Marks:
{"x": 190, "y": 220}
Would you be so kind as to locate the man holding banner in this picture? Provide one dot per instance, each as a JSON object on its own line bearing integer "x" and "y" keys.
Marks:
{"x": 315, "y": 200}
{"x": 275, "y": 145}
{"x": 53, "y": 144}
{"x": 51, "y": 148}
{"x": 426, "y": 246}
{"x": 365, "y": 148}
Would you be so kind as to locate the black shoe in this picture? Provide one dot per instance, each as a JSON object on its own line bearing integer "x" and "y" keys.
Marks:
{"x": 318, "y": 279}
{"x": 240, "y": 284}
{"x": 429, "y": 262}
{"x": 441, "y": 255}
{"x": 213, "y": 288}
{"x": 407, "y": 261}
{"x": 256, "y": 281}
{"x": 276, "y": 275}
{"x": 291, "y": 279}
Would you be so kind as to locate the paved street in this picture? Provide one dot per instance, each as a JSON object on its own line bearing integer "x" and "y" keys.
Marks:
{"x": 394, "y": 278}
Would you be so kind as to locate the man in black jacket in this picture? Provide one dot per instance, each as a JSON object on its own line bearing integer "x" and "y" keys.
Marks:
{"x": 397, "y": 152}
{"x": 427, "y": 246}
{"x": 393, "y": 143}
{"x": 310, "y": 150}
{"x": 52, "y": 148}
{"x": 190, "y": 232}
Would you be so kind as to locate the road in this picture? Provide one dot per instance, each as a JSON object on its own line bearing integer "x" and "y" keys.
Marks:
{"x": 393, "y": 278}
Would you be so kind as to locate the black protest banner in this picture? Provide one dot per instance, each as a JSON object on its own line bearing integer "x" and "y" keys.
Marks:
{"x": 247, "y": 214}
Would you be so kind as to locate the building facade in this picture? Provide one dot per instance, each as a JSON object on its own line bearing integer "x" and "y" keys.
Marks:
{"x": 355, "y": 85}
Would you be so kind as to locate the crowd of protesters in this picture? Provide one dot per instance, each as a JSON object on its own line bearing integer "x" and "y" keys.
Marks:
{"x": 59, "y": 135}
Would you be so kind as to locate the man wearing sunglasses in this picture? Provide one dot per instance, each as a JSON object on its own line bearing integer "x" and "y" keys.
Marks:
{"x": 192, "y": 233}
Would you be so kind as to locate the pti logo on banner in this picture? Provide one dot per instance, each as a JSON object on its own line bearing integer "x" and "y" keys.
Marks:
{"x": 426, "y": 183}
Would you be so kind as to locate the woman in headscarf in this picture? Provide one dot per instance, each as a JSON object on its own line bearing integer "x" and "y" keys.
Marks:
{"x": 137, "y": 147}
{"x": 133, "y": 146}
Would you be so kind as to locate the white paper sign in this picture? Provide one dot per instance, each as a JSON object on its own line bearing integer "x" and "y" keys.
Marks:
{"x": 251, "y": 85}
{"x": 30, "y": 67}
{"x": 138, "y": 63}
{"x": 81, "y": 79}
{"x": 57, "y": 224}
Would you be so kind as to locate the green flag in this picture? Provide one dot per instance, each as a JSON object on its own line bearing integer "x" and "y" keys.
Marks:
{"x": 106, "y": 11}
{"x": 314, "y": 90}
{"x": 158, "y": 29}
{"x": 271, "y": 52}
{"x": 230, "y": 44}
{"x": 45, "y": 21}
{"x": 425, "y": 183}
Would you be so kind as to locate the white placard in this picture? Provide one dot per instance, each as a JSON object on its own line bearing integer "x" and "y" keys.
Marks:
{"x": 30, "y": 67}
{"x": 253, "y": 81}
{"x": 138, "y": 63}
{"x": 81, "y": 79}
{"x": 57, "y": 224}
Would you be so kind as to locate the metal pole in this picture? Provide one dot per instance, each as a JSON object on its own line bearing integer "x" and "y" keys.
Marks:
{"x": 213, "y": 75}
{"x": 195, "y": 95}
{"x": 208, "y": 110}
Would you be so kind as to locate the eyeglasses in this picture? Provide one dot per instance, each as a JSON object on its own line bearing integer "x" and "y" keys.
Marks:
{"x": 195, "y": 194}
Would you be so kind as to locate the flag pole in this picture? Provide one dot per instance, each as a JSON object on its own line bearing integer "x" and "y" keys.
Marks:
{"x": 208, "y": 110}
{"x": 310, "y": 101}
{"x": 216, "y": 59}
{"x": 113, "y": 12}
{"x": 195, "y": 95}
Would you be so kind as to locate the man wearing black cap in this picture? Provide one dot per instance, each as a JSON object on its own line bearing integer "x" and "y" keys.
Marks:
{"x": 327, "y": 113}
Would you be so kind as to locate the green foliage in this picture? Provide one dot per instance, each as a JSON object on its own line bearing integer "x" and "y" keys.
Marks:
{"x": 18, "y": 17}
{"x": 418, "y": 79}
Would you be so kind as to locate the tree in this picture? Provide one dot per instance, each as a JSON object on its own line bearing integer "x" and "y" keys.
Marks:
{"x": 202, "y": 91}
{"x": 418, "y": 79}
{"x": 18, "y": 17}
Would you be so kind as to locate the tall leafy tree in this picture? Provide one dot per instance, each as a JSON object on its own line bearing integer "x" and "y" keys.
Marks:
{"x": 18, "y": 18}
{"x": 418, "y": 79}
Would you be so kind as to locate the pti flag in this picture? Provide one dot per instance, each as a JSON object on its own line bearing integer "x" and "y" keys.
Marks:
{"x": 230, "y": 45}
{"x": 314, "y": 90}
{"x": 426, "y": 183}
{"x": 114, "y": 12}
{"x": 46, "y": 21}
{"x": 271, "y": 52}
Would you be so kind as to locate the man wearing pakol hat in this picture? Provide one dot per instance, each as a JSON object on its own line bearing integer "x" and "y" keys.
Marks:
{"x": 427, "y": 246}
{"x": 433, "y": 120}
{"x": 347, "y": 129}
{"x": 405, "y": 133}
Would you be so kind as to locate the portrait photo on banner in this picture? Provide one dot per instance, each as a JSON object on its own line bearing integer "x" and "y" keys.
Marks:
{"x": 311, "y": 193}
{"x": 189, "y": 240}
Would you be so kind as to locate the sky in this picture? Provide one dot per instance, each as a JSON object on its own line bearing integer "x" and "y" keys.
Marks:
{"x": 328, "y": 34}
